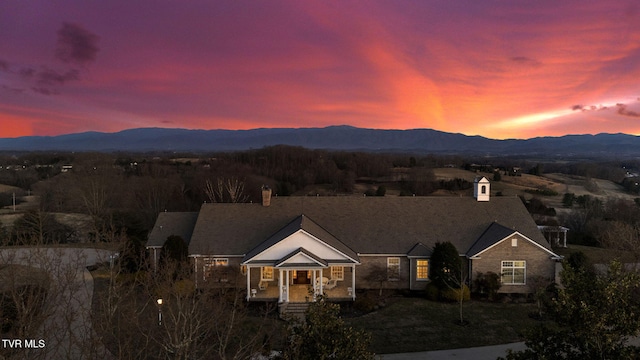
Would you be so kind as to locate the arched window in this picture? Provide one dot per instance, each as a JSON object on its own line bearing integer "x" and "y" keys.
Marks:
{"x": 484, "y": 189}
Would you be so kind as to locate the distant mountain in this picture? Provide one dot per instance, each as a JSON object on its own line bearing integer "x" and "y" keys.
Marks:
{"x": 332, "y": 137}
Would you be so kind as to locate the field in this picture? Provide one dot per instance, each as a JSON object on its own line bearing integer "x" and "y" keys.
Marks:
{"x": 560, "y": 183}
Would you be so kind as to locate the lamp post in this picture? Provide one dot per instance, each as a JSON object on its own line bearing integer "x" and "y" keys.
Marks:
{"x": 159, "y": 311}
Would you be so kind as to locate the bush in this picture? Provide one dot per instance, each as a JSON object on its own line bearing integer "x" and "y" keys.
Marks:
{"x": 487, "y": 284}
{"x": 432, "y": 292}
{"x": 364, "y": 304}
{"x": 454, "y": 294}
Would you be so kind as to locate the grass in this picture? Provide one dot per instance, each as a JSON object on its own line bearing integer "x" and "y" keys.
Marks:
{"x": 417, "y": 324}
{"x": 410, "y": 324}
{"x": 597, "y": 255}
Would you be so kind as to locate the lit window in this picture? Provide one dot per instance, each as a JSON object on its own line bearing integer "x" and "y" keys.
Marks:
{"x": 337, "y": 272}
{"x": 215, "y": 269}
{"x": 422, "y": 269}
{"x": 266, "y": 273}
{"x": 393, "y": 268}
{"x": 513, "y": 272}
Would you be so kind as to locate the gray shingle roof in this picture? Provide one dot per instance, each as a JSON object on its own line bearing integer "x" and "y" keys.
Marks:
{"x": 172, "y": 223}
{"x": 366, "y": 225}
{"x": 302, "y": 222}
{"x": 494, "y": 233}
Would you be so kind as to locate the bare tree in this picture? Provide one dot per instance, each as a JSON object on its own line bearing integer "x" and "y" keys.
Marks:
{"x": 229, "y": 190}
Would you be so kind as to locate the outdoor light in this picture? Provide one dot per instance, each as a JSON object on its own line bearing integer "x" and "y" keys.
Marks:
{"x": 159, "y": 301}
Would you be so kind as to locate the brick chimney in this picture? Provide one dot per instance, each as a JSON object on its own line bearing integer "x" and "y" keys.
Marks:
{"x": 266, "y": 195}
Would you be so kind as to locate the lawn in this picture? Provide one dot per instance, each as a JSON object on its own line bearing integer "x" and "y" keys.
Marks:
{"x": 416, "y": 324}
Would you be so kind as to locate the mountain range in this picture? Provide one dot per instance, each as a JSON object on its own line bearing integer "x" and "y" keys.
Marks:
{"x": 331, "y": 138}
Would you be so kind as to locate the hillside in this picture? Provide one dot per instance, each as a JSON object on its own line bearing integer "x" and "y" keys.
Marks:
{"x": 332, "y": 137}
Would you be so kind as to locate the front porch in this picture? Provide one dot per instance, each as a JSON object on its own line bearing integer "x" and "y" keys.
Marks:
{"x": 296, "y": 285}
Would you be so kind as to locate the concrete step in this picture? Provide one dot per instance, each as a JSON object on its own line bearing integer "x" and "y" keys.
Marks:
{"x": 291, "y": 309}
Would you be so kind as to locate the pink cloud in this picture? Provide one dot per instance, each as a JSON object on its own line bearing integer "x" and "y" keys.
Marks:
{"x": 462, "y": 67}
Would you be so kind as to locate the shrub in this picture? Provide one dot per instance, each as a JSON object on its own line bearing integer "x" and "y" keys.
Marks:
{"x": 364, "y": 304}
{"x": 454, "y": 294}
{"x": 432, "y": 292}
{"x": 487, "y": 284}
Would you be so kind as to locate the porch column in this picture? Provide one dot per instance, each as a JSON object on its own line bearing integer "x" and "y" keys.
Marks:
{"x": 288, "y": 281}
{"x": 248, "y": 282}
{"x": 280, "y": 285}
{"x": 353, "y": 282}
{"x": 195, "y": 270}
{"x": 564, "y": 243}
{"x": 319, "y": 277}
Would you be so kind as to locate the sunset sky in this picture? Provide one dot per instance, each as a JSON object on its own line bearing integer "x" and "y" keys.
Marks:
{"x": 500, "y": 69}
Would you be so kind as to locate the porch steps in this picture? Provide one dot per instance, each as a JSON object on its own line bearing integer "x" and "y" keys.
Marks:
{"x": 293, "y": 310}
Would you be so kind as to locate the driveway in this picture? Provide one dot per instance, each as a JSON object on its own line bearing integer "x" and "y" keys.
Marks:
{"x": 476, "y": 353}
{"x": 66, "y": 331}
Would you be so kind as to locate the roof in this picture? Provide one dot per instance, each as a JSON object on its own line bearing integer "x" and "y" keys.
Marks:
{"x": 172, "y": 223}
{"x": 494, "y": 233}
{"x": 365, "y": 225}
{"x": 302, "y": 223}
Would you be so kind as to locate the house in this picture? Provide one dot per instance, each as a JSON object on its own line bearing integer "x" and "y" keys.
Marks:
{"x": 290, "y": 249}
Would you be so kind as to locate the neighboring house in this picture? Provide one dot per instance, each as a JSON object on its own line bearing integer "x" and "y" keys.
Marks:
{"x": 290, "y": 249}
{"x": 170, "y": 224}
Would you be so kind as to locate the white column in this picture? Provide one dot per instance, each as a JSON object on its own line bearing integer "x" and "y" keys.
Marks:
{"x": 195, "y": 269}
{"x": 288, "y": 281}
{"x": 319, "y": 277}
{"x": 248, "y": 282}
{"x": 280, "y": 285}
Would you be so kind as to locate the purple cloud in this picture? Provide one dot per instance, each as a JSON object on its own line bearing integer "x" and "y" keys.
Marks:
{"x": 76, "y": 44}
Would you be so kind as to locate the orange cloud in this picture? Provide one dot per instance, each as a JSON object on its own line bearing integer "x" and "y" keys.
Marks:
{"x": 15, "y": 126}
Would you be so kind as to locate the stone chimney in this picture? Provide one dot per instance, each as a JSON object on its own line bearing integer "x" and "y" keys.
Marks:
{"x": 266, "y": 195}
{"x": 481, "y": 188}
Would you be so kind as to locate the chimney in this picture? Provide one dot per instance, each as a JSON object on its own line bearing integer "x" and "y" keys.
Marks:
{"x": 266, "y": 195}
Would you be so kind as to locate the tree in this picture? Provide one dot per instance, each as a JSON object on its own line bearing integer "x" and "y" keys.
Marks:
{"x": 568, "y": 199}
{"x": 445, "y": 265}
{"x": 324, "y": 335}
{"x": 447, "y": 273}
{"x": 378, "y": 274}
{"x": 175, "y": 248}
{"x": 596, "y": 313}
{"x": 230, "y": 190}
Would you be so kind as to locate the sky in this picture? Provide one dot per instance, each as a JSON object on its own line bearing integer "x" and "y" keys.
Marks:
{"x": 499, "y": 69}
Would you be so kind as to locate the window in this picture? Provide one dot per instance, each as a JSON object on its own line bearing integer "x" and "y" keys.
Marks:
{"x": 393, "y": 268}
{"x": 215, "y": 269}
{"x": 513, "y": 272}
{"x": 422, "y": 269}
{"x": 266, "y": 273}
{"x": 483, "y": 189}
{"x": 337, "y": 272}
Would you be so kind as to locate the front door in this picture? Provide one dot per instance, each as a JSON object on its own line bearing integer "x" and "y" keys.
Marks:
{"x": 302, "y": 277}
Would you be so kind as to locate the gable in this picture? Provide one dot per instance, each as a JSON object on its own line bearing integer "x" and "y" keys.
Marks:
{"x": 301, "y": 258}
{"x": 515, "y": 244}
{"x": 295, "y": 241}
